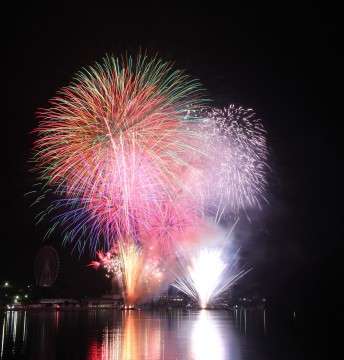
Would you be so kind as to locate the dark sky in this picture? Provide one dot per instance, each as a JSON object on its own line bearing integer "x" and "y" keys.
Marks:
{"x": 283, "y": 62}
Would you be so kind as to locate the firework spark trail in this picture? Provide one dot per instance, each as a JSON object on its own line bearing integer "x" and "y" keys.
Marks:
{"x": 233, "y": 174}
{"x": 176, "y": 223}
{"x": 110, "y": 262}
{"x": 116, "y": 140}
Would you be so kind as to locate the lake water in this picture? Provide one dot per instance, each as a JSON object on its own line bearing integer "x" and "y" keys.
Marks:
{"x": 139, "y": 335}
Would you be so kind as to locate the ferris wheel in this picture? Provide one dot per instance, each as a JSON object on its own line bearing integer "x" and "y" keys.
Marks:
{"x": 47, "y": 265}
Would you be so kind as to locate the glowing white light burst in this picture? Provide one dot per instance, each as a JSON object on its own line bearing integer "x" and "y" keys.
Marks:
{"x": 204, "y": 276}
{"x": 205, "y": 272}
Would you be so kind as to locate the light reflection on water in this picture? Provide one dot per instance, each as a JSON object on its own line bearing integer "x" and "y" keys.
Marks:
{"x": 127, "y": 335}
{"x": 206, "y": 338}
{"x": 180, "y": 336}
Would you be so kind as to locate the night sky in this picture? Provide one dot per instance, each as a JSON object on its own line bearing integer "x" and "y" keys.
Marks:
{"x": 283, "y": 62}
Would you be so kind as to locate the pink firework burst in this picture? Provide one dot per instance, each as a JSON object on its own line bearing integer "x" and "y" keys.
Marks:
{"x": 116, "y": 140}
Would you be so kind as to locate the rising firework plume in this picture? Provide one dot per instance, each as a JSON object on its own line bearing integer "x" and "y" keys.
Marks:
{"x": 207, "y": 271}
{"x": 206, "y": 276}
{"x": 113, "y": 144}
{"x": 139, "y": 275}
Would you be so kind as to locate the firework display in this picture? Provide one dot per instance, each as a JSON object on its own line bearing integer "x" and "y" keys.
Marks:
{"x": 207, "y": 272}
{"x": 233, "y": 174}
{"x": 116, "y": 141}
{"x": 137, "y": 164}
{"x": 136, "y": 271}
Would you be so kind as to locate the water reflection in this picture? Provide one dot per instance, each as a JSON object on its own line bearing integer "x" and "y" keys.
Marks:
{"x": 206, "y": 338}
{"x": 174, "y": 335}
{"x": 136, "y": 336}
{"x": 249, "y": 321}
{"x": 13, "y": 331}
{"x": 131, "y": 335}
